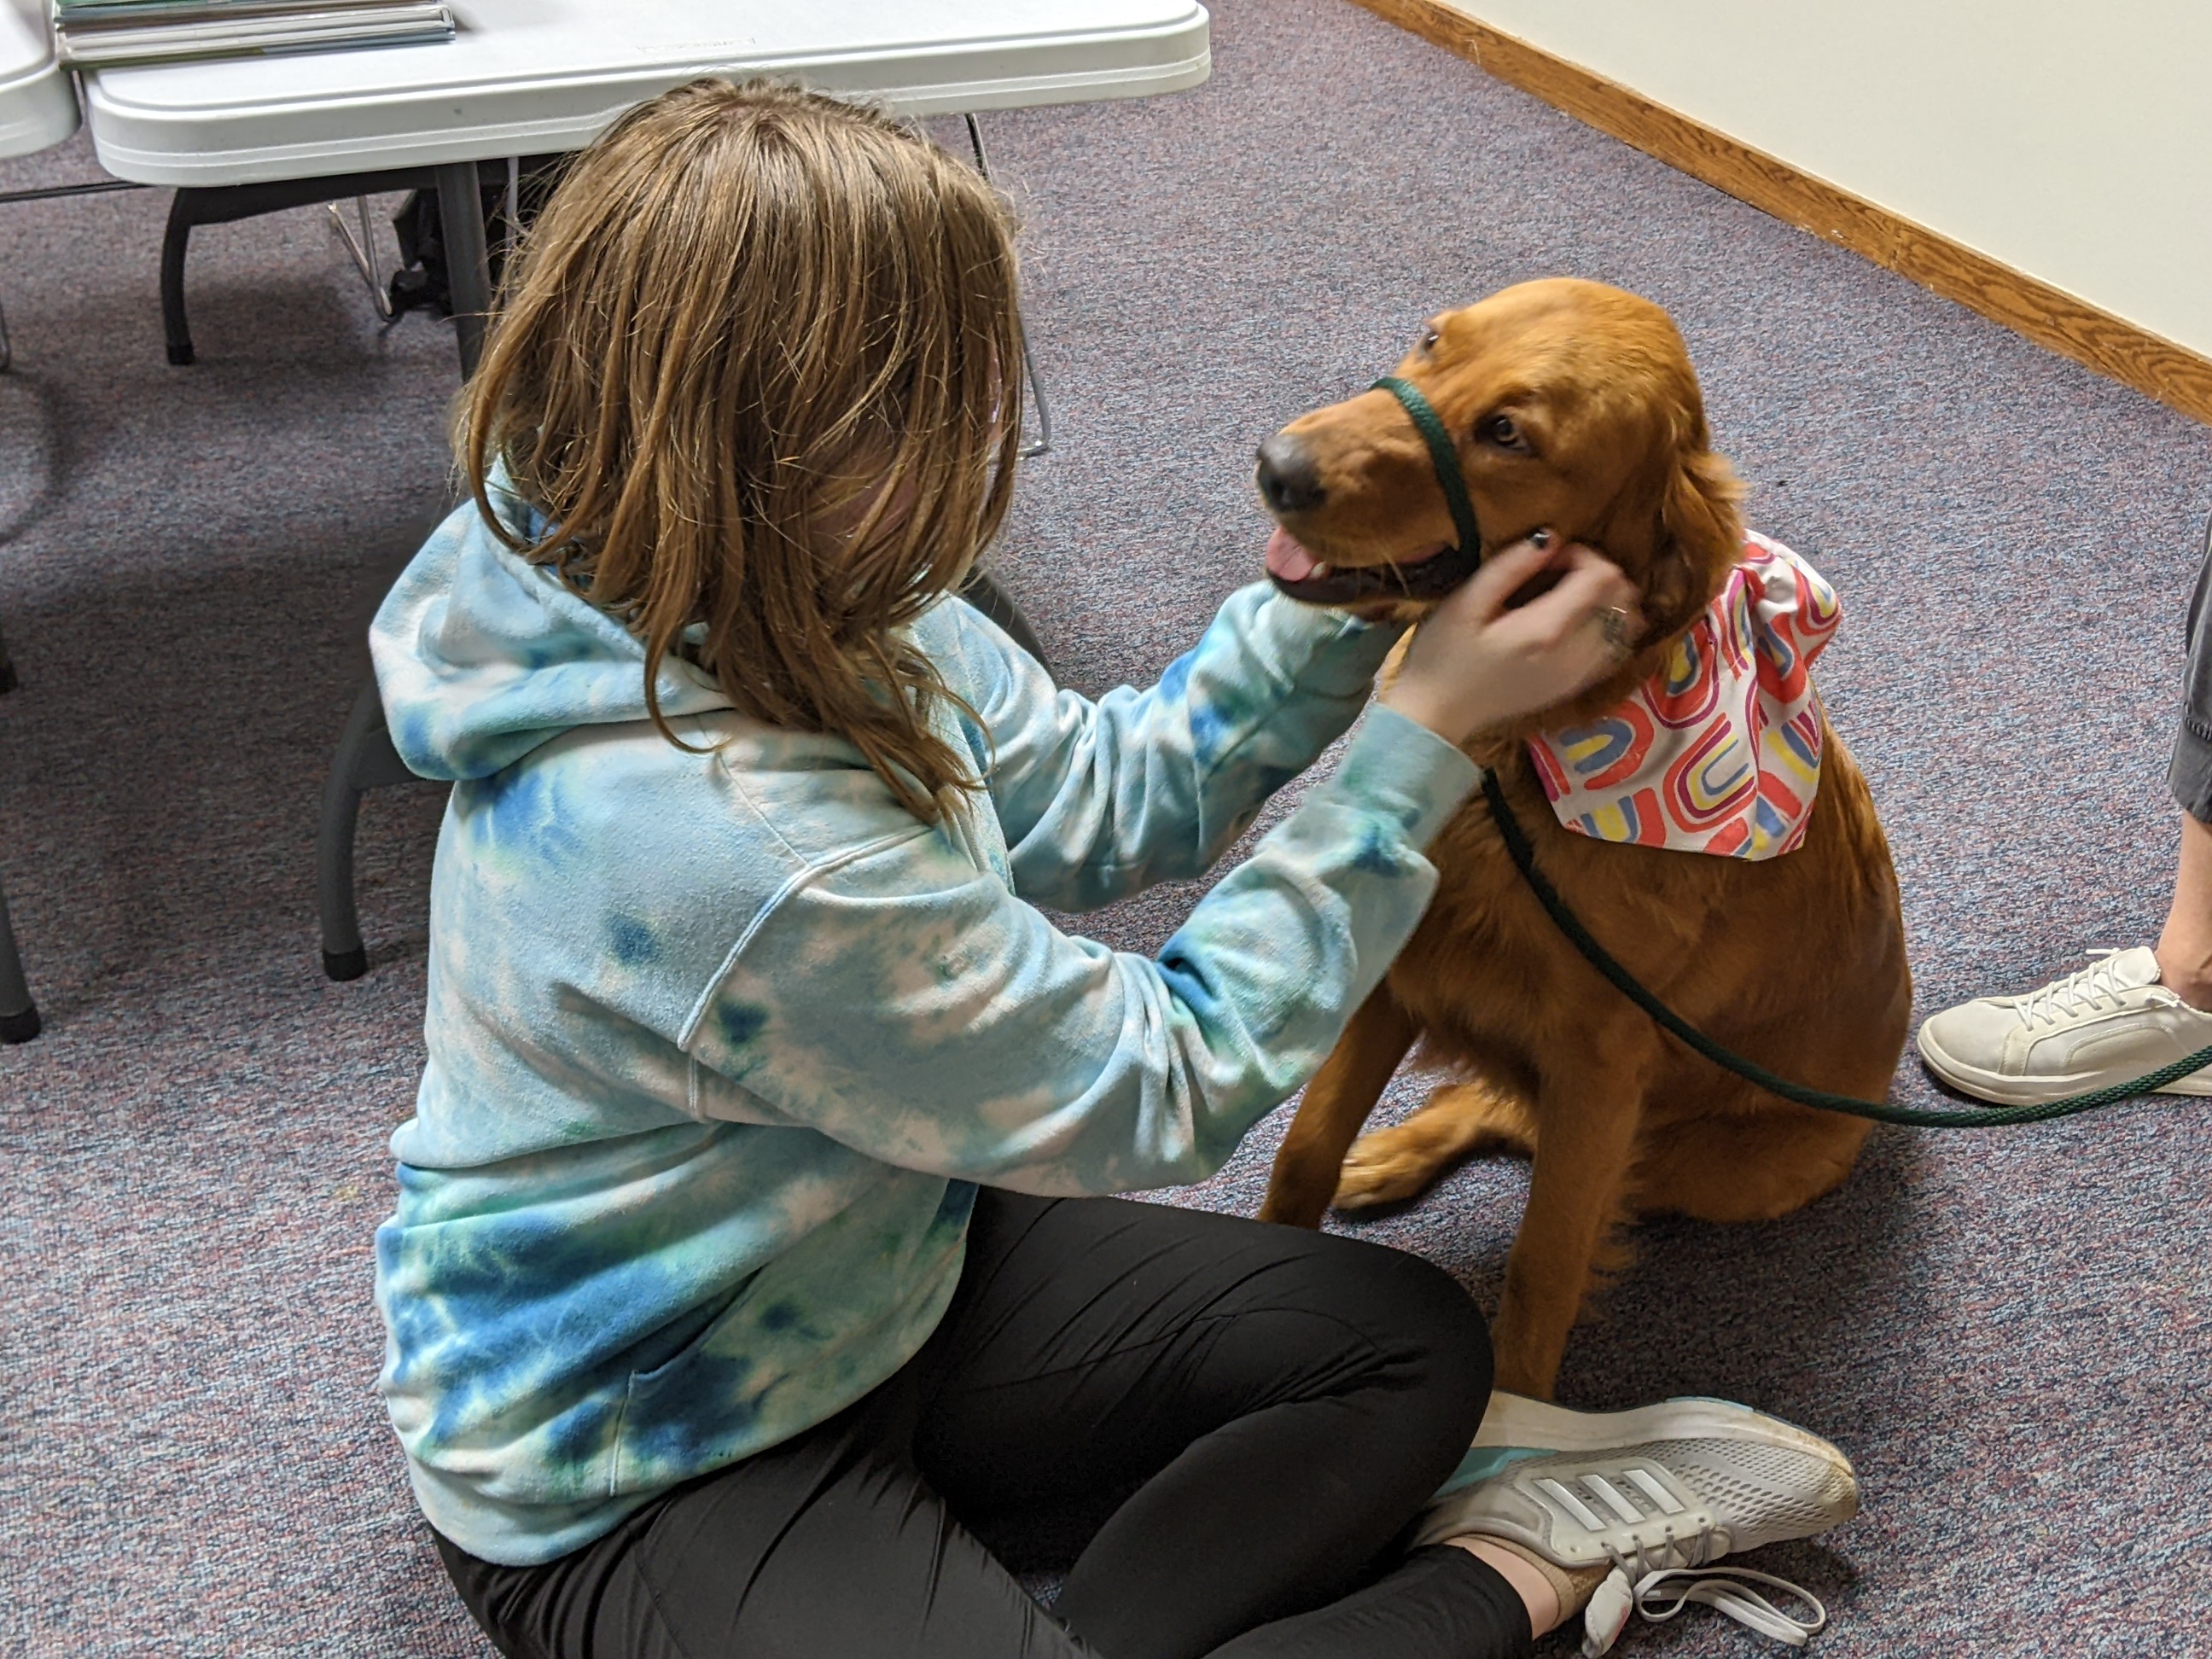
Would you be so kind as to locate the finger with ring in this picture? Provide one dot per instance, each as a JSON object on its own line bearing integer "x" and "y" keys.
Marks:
{"x": 1612, "y": 624}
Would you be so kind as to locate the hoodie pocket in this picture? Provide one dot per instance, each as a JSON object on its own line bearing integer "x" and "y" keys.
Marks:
{"x": 692, "y": 1409}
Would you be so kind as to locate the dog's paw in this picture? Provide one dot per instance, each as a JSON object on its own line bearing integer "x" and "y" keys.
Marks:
{"x": 1377, "y": 1172}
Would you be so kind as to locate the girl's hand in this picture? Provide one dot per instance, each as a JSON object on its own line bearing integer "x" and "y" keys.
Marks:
{"x": 1473, "y": 664}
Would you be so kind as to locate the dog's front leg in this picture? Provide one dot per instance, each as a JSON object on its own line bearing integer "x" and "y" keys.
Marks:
{"x": 1591, "y": 1107}
{"x": 1337, "y": 1102}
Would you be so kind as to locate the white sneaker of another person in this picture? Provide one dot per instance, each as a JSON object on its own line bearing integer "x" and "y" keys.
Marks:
{"x": 2107, "y": 1024}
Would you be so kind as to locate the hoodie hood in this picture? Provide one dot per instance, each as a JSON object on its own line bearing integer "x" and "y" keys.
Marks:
{"x": 481, "y": 655}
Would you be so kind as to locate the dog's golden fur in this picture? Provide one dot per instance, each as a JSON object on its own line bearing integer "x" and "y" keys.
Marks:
{"x": 1797, "y": 961}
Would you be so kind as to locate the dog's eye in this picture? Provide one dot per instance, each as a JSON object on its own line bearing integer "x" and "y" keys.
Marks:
{"x": 1504, "y": 431}
{"x": 1429, "y": 338}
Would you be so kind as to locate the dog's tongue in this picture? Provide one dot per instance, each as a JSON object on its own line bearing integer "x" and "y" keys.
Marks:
{"x": 1286, "y": 559}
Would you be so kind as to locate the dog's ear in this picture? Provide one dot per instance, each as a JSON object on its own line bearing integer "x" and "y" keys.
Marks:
{"x": 1700, "y": 535}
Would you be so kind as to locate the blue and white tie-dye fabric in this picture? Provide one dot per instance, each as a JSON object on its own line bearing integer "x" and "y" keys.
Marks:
{"x": 718, "y": 1041}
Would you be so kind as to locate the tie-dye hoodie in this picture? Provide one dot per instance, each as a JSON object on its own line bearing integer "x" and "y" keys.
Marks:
{"x": 719, "y": 1043}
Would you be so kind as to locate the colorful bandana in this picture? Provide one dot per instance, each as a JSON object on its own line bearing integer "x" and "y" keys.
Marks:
{"x": 1719, "y": 751}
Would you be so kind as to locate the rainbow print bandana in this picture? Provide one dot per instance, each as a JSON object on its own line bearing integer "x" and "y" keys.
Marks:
{"x": 1719, "y": 751}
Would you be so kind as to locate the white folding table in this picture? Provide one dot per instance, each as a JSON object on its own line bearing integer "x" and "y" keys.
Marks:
{"x": 529, "y": 77}
{"x": 532, "y": 77}
{"x": 37, "y": 105}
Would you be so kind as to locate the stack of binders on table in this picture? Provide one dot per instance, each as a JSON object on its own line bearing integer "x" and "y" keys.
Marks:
{"x": 93, "y": 33}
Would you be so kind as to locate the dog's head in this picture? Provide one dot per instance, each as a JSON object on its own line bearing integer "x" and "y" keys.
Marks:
{"x": 1572, "y": 407}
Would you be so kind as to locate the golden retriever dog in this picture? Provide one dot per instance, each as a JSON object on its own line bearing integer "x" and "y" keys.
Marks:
{"x": 1573, "y": 407}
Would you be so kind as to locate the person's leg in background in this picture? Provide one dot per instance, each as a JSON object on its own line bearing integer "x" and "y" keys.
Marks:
{"x": 2185, "y": 944}
{"x": 2130, "y": 1011}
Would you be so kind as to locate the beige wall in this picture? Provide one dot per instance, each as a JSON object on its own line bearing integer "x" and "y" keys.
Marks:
{"x": 2069, "y": 139}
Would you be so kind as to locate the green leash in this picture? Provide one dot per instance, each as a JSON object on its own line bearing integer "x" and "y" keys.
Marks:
{"x": 1517, "y": 847}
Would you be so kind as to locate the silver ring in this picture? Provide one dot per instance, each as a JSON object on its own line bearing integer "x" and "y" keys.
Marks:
{"x": 1614, "y": 625}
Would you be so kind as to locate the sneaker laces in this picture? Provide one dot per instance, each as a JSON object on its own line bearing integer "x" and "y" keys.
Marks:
{"x": 2091, "y": 988}
{"x": 1643, "y": 1584}
{"x": 1728, "y": 1590}
{"x": 1658, "y": 1594}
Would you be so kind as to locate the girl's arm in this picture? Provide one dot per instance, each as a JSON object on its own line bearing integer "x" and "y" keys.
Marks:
{"x": 904, "y": 1003}
{"x": 1101, "y": 800}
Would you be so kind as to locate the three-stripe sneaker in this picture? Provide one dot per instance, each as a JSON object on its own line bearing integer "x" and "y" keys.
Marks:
{"x": 1660, "y": 1493}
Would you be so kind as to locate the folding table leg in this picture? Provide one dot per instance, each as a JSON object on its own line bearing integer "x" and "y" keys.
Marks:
{"x": 468, "y": 256}
{"x": 361, "y": 250}
{"x": 1037, "y": 400}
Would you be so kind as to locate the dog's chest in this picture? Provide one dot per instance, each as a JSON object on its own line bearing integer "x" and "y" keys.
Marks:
{"x": 1488, "y": 973}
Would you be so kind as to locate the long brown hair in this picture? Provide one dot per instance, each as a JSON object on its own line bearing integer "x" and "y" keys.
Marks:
{"x": 757, "y": 364}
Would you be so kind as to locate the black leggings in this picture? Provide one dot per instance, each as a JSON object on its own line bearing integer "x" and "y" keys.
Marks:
{"x": 1276, "y": 1404}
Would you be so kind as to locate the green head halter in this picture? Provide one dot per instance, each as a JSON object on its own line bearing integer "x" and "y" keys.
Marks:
{"x": 1445, "y": 458}
{"x": 1433, "y": 575}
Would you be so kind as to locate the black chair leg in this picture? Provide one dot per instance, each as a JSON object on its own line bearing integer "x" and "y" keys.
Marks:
{"x": 19, "y": 1015}
{"x": 994, "y": 602}
{"x": 366, "y": 760}
{"x": 176, "y": 242}
{"x": 344, "y": 957}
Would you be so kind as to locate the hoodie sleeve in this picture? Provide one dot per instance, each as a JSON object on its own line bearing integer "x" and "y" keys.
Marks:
{"x": 911, "y": 1007}
{"x": 1100, "y": 799}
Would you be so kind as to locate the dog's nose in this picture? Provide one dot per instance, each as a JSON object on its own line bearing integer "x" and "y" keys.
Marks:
{"x": 1288, "y": 480}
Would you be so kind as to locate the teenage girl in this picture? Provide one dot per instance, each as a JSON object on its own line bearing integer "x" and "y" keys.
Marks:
{"x": 743, "y": 1257}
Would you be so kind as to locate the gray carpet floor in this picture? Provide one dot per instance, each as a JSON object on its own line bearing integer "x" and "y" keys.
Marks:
{"x": 2007, "y": 1330}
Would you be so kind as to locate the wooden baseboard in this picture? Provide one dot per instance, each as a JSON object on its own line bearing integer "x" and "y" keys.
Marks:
{"x": 2173, "y": 375}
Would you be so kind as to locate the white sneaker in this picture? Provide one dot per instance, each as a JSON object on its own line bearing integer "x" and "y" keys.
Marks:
{"x": 2098, "y": 1026}
{"x": 1658, "y": 1492}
